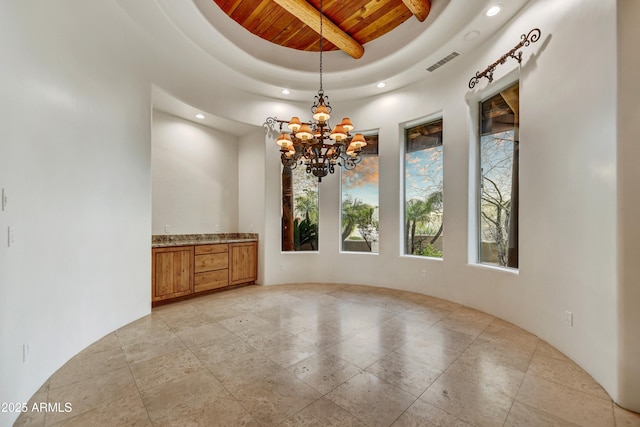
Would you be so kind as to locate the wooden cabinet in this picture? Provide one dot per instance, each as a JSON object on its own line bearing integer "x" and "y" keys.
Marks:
{"x": 172, "y": 272}
{"x": 243, "y": 262}
{"x": 211, "y": 267}
{"x": 186, "y": 270}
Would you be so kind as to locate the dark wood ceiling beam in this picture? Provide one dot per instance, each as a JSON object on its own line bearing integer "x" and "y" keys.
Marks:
{"x": 330, "y": 31}
{"x": 511, "y": 97}
{"x": 419, "y": 8}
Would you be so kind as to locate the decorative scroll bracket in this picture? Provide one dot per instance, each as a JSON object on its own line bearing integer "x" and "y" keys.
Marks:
{"x": 273, "y": 126}
{"x": 526, "y": 39}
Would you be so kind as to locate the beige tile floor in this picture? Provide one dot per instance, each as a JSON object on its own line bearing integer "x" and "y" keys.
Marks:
{"x": 323, "y": 355}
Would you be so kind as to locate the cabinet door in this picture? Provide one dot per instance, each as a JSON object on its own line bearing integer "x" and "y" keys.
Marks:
{"x": 172, "y": 272}
{"x": 243, "y": 262}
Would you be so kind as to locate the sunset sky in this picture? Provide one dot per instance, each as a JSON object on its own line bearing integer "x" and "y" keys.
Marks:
{"x": 362, "y": 182}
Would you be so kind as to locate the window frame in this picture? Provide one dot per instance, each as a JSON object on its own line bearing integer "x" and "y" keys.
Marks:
{"x": 425, "y": 120}
{"x": 295, "y": 170}
{"x": 475, "y": 104}
{"x": 341, "y": 250}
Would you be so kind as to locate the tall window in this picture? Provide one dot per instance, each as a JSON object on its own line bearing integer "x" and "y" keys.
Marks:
{"x": 299, "y": 210}
{"x": 360, "y": 202}
{"x": 423, "y": 166}
{"x": 499, "y": 160}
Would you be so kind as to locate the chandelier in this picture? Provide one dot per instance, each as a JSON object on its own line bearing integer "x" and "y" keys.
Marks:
{"x": 314, "y": 144}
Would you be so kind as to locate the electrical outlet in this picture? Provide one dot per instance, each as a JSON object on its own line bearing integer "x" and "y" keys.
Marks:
{"x": 25, "y": 352}
{"x": 167, "y": 229}
{"x": 424, "y": 274}
{"x": 11, "y": 236}
{"x": 568, "y": 318}
{"x": 282, "y": 267}
{"x": 4, "y": 199}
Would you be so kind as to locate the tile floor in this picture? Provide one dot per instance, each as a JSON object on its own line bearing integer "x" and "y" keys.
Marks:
{"x": 323, "y": 355}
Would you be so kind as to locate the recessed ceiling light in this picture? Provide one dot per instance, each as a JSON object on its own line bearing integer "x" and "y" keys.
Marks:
{"x": 199, "y": 116}
{"x": 380, "y": 85}
{"x": 471, "y": 35}
{"x": 286, "y": 91}
{"x": 494, "y": 10}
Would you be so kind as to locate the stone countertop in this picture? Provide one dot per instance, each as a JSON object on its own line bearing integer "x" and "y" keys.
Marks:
{"x": 168, "y": 240}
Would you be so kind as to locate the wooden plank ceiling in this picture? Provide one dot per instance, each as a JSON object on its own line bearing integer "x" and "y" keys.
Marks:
{"x": 348, "y": 24}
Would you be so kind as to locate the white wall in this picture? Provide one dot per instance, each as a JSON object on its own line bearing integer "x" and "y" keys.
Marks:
{"x": 75, "y": 160}
{"x": 628, "y": 204}
{"x": 251, "y": 187}
{"x": 194, "y": 177}
{"x": 568, "y": 184}
{"x": 75, "y": 163}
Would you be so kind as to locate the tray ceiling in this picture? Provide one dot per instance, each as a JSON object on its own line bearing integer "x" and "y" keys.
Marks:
{"x": 283, "y": 21}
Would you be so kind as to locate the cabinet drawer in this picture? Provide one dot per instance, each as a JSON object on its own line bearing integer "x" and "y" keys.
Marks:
{"x": 212, "y": 249}
{"x": 211, "y": 280}
{"x": 210, "y": 262}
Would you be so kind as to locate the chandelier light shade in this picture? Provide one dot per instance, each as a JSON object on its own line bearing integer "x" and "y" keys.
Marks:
{"x": 315, "y": 144}
{"x": 284, "y": 141}
{"x": 346, "y": 124}
{"x": 321, "y": 114}
{"x": 294, "y": 124}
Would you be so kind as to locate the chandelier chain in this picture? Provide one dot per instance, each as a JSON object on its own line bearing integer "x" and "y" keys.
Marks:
{"x": 321, "y": 45}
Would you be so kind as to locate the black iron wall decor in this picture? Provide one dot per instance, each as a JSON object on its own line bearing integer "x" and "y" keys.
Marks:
{"x": 526, "y": 39}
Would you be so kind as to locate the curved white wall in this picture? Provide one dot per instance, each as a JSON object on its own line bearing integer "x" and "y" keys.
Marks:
{"x": 568, "y": 226}
{"x": 628, "y": 204}
{"x": 75, "y": 120}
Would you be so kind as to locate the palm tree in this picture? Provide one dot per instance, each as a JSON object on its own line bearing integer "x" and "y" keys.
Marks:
{"x": 307, "y": 205}
{"x": 354, "y": 213}
{"x": 435, "y": 203}
{"x": 417, "y": 212}
{"x": 305, "y": 235}
{"x": 305, "y": 231}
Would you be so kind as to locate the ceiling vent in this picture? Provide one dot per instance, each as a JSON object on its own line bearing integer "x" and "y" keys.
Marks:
{"x": 443, "y": 61}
